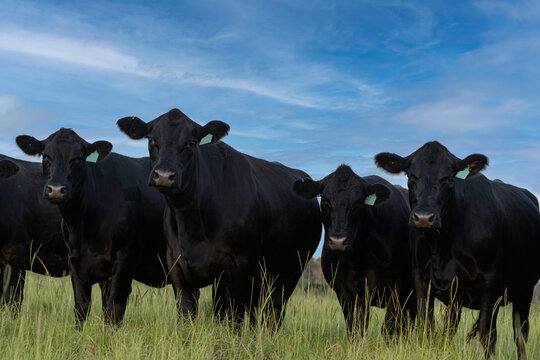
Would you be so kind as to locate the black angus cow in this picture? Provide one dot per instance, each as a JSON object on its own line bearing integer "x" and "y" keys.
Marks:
{"x": 112, "y": 219}
{"x": 365, "y": 257}
{"x": 470, "y": 239}
{"x": 233, "y": 220}
{"x": 30, "y": 230}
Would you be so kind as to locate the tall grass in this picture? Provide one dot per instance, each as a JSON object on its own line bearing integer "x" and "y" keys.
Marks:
{"x": 313, "y": 329}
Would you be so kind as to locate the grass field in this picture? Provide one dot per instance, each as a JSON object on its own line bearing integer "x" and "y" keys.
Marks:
{"x": 313, "y": 329}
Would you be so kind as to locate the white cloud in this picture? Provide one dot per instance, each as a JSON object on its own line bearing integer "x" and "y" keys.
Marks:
{"x": 293, "y": 87}
{"x": 465, "y": 112}
{"x": 516, "y": 10}
{"x": 71, "y": 50}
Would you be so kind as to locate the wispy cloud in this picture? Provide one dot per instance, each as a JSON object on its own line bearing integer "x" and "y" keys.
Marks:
{"x": 524, "y": 10}
{"x": 462, "y": 113}
{"x": 106, "y": 57}
{"x": 70, "y": 50}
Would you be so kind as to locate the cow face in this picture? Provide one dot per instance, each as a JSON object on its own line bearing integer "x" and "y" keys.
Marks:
{"x": 8, "y": 168}
{"x": 173, "y": 144}
{"x": 343, "y": 204}
{"x": 431, "y": 171}
{"x": 64, "y": 156}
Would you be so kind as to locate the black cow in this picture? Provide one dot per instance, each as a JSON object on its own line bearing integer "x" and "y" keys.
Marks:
{"x": 112, "y": 219}
{"x": 31, "y": 237}
{"x": 471, "y": 239}
{"x": 365, "y": 257}
{"x": 233, "y": 220}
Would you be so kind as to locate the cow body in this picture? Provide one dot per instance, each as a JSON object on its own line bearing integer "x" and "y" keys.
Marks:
{"x": 471, "y": 239}
{"x": 112, "y": 221}
{"x": 30, "y": 229}
{"x": 233, "y": 220}
{"x": 365, "y": 257}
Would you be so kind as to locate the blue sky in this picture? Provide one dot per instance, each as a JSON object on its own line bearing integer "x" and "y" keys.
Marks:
{"x": 311, "y": 84}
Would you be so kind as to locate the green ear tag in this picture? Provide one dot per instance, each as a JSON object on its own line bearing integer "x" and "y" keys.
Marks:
{"x": 370, "y": 200}
{"x": 92, "y": 157}
{"x": 463, "y": 173}
{"x": 206, "y": 140}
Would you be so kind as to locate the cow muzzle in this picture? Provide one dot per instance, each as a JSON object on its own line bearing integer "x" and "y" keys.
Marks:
{"x": 56, "y": 193}
{"x": 423, "y": 219}
{"x": 166, "y": 179}
{"x": 337, "y": 243}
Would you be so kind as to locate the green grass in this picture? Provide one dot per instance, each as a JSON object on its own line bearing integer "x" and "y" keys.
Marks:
{"x": 313, "y": 329}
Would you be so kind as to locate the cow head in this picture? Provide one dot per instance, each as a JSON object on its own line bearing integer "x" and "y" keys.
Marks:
{"x": 173, "y": 144}
{"x": 343, "y": 204}
{"x": 8, "y": 168}
{"x": 431, "y": 171}
{"x": 64, "y": 156}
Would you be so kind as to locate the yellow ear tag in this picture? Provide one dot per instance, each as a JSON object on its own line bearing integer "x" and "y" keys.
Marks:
{"x": 92, "y": 157}
{"x": 370, "y": 200}
{"x": 206, "y": 140}
{"x": 463, "y": 173}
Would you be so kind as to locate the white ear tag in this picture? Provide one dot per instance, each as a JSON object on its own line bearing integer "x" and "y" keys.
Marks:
{"x": 92, "y": 157}
{"x": 463, "y": 173}
{"x": 206, "y": 140}
{"x": 370, "y": 200}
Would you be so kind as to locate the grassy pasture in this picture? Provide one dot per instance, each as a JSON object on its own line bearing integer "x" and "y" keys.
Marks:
{"x": 313, "y": 329}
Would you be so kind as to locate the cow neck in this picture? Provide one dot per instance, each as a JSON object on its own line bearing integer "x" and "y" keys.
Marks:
{"x": 73, "y": 212}
{"x": 187, "y": 205}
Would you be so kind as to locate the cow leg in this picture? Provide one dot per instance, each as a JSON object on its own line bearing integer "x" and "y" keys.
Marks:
{"x": 407, "y": 302}
{"x": 189, "y": 302}
{"x": 82, "y": 292}
{"x": 226, "y": 305}
{"x": 2, "y": 267}
{"x": 105, "y": 287}
{"x": 14, "y": 277}
{"x": 487, "y": 320}
{"x": 520, "y": 316}
{"x": 356, "y": 313}
{"x": 424, "y": 301}
{"x": 122, "y": 278}
{"x": 452, "y": 317}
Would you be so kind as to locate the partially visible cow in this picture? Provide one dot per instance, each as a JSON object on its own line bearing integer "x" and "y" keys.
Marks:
{"x": 30, "y": 230}
{"x": 471, "y": 239}
{"x": 112, "y": 219}
{"x": 234, "y": 220}
{"x": 365, "y": 257}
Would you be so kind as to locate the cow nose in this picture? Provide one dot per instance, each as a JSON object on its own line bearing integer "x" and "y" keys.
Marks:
{"x": 164, "y": 178}
{"x": 57, "y": 192}
{"x": 424, "y": 219}
{"x": 337, "y": 243}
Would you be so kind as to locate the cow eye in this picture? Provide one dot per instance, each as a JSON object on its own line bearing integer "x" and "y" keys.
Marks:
{"x": 190, "y": 144}
{"x": 448, "y": 180}
{"x": 74, "y": 160}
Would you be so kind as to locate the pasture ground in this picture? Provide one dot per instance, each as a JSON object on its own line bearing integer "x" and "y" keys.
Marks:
{"x": 313, "y": 329}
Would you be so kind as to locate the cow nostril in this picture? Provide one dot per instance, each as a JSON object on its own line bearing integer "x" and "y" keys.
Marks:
{"x": 49, "y": 189}
{"x": 155, "y": 175}
{"x": 431, "y": 218}
{"x": 63, "y": 190}
{"x": 172, "y": 178}
{"x": 415, "y": 217}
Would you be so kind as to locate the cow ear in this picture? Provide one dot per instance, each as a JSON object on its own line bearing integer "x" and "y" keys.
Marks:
{"x": 8, "y": 168}
{"x": 474, "y": 163}
{"x": 211, "y": 132}
{"x": 376, "y": 194}
{"x": 29, "y": 144}
{"x": 101, "y": 147}
{"x": 134, "y": 127}
{"x": 392, "y": 163}
{"x": 307, "y": 188}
